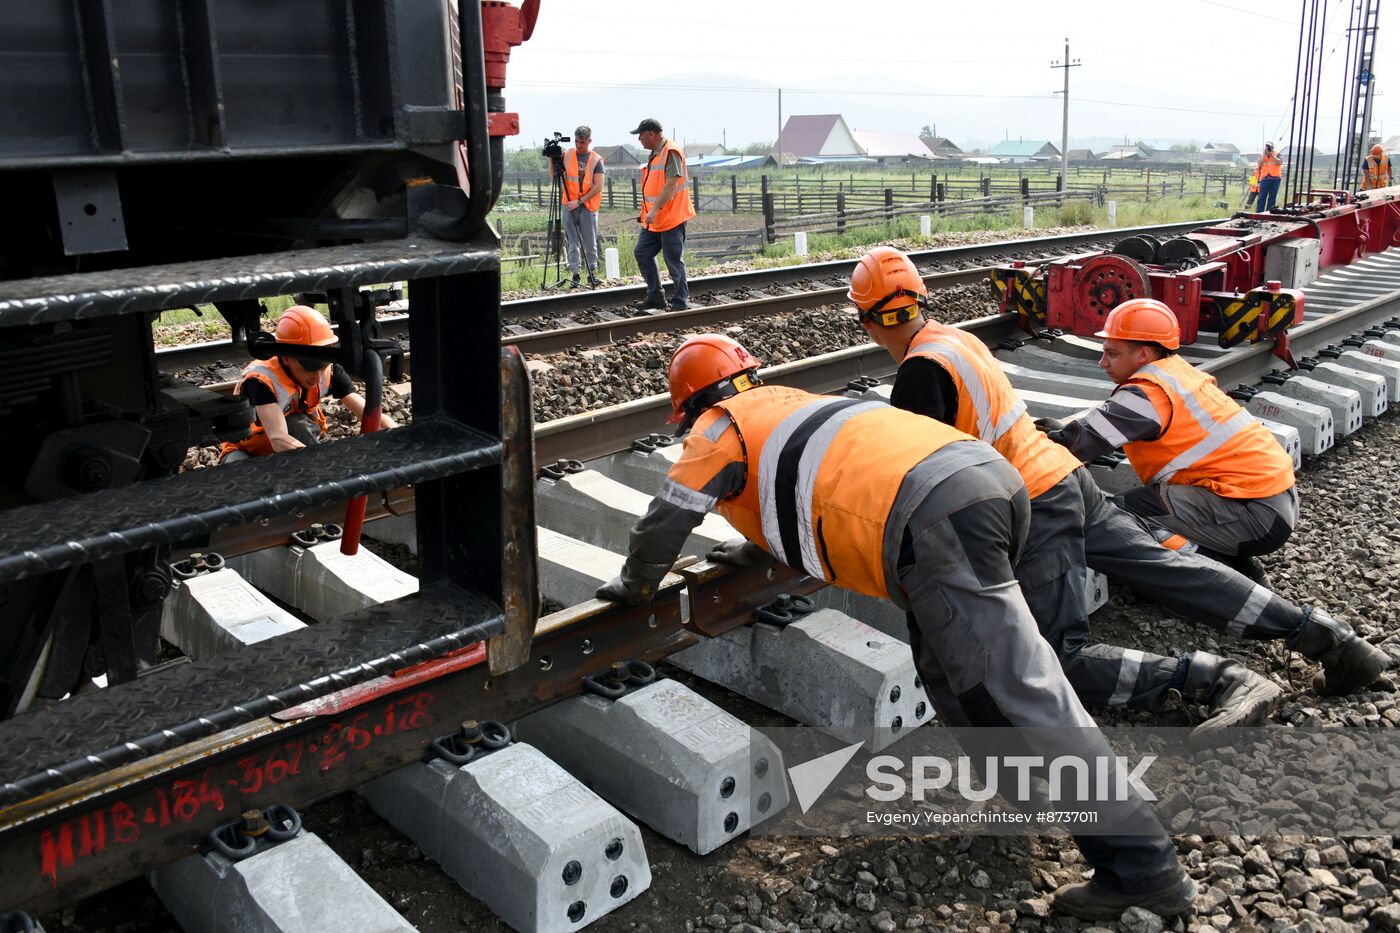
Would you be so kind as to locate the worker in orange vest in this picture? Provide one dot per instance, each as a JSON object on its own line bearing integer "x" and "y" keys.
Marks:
{"x": 1269, "y": 171}
{"x": 947, "y": 374}
{"x": 665, "y": 209}
{"x": 1211, "y": 473}
{"x": 1253, "y": 190}
{"x": 897, "y": 506}
{"x": 286, "y": 392}
{"x": 583, "y": 195}
{"x": 1376, "y": 169}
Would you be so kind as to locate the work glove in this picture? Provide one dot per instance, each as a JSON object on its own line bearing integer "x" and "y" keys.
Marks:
{"x": 1049, "y": 425}
{"x": 636, "y": 585}
{"x": 739, "y": 552}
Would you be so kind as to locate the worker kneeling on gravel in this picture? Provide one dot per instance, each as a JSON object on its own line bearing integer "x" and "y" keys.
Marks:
{"x": 898, "y": 506}
{"x": 950, "y": 376}
{"x": 286, "y": 392}
{"x": 1211, "y": 472}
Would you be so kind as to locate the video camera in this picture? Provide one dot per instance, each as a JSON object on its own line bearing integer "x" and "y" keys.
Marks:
{"x": 554, "y": 147}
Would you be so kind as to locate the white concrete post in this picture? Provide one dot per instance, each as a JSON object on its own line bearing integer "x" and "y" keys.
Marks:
{"x": 800, "y": 243}
{"x": 1028, "y": 218}
{"x": 925, "y": 225}
{"x": 1113, "y": 213}
{"x": 612, "y": 268}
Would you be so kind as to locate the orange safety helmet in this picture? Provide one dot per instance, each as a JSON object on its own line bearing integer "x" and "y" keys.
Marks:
{"x": 305, "y": 326}
{"x": 708, "y": 361}
{"x": 1377, "y": 149}
{"x": 886, "y": 288}
{"x": 1145, "y": 320}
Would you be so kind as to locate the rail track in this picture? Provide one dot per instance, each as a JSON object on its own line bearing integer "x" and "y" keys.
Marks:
{"x": 534, "y": 324}
{"x": 65, "y": 782}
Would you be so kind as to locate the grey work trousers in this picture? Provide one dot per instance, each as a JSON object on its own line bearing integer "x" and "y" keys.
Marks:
{"x": 1073, "y": 524}
{"x": 1246, "y": 527}
{"x": 984, "y": 664}
{"x": 581, "y": 232}
{"x": 302, "y": 427}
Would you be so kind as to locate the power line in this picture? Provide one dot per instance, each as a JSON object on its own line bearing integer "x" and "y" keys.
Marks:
{"x": 1277, "y": 19}
{"x": 851, "y": 92}
{"x": 818, "y": 59}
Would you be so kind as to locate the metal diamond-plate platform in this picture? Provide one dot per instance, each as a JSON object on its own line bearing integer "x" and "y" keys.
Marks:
{"x": 199, "y": 699}
{"x": 177, "y": 285}
{"x": 50, "y": 536}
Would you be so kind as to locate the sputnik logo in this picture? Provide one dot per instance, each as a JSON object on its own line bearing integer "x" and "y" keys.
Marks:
{"x": 811, "y": 778}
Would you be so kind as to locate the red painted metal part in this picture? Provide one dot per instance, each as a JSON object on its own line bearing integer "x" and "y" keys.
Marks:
{"x": 1199, "y": 271}
{"x": 503, "y": 27}
{"x": 360, "y": 694}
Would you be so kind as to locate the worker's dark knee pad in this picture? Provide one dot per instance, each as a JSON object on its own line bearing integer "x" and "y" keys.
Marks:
{"x": 1278, "y": 533}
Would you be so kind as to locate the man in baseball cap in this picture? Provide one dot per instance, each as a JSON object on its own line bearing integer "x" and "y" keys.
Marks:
{"x": 665, "y": 209}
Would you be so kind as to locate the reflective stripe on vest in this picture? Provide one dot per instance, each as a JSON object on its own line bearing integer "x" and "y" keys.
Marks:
{"x": 662, "y": 217}
{"x": 989, "y": 408}
{"x": 822, "y": 476}
{"x": 1210, "y": 441}
{"x": 573, "y": 183}
{"x": 1270, "y": 166}
{"x": 289, "y": 398}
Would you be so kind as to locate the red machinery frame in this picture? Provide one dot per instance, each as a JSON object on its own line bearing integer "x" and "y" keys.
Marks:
{"x": 1212, "y": 278}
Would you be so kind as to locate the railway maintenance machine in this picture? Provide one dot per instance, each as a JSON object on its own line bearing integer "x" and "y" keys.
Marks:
{"x": 1241, "y": 280}
{"x": 208, "y": 154}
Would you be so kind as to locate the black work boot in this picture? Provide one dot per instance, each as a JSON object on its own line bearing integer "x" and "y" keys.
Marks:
{"x": 1349, "y": 662}
{"x": 1089, "y": 900}
{"x": 1237, "y": 696}
{"x": 593, "y": 280}
{"x": 573, "y": 283}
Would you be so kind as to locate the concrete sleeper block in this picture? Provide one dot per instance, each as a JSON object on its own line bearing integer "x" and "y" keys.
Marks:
{"x": 220, "y": 612}
{"x": 519, "y": 833}
{"x": 600, "y": 511}
{"x": 668, "y": 757}
{"x": 298, "y": 886}
{"x": 825, "y": 670}
{"x": 1312, "y": 422}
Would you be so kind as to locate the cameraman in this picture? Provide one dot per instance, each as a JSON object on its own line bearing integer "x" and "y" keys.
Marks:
{"x": 583, "y": 195}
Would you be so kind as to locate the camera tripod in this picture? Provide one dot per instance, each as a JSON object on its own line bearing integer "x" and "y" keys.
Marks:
{"x": 554, "y": 226}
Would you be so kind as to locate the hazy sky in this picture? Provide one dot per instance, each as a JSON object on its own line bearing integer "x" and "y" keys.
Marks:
{"x": 1190, "y": 69}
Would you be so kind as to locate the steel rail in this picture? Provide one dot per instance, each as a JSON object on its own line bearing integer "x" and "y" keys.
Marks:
{"x": 190, "y": 356}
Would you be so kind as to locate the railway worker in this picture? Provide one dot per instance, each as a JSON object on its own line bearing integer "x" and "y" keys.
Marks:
{"x": 894, "y": 506}
{"x": 286, "y": 392}
{"x": 1253, "y": 190}
{"x": 665, "y": 209}
{"x": 1269, "y": 171}
{"x": 1376, "y": 169}
{"x": 1213, "y": 475}
{"x": 948, "y": 375}
{"x": 583, "y": 195}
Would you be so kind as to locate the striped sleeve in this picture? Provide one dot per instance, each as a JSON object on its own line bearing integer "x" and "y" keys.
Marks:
{"x": 711, "y": 468}
{"x": 1128, "y": 415}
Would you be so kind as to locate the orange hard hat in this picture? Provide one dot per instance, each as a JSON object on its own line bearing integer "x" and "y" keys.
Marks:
{"x": 1377, "y": 149}
{"x": 305, "y": 326}
{"x": 1143, "y": 319}
{"x": 705, "y": 361}
{"x": 886, "y": 288}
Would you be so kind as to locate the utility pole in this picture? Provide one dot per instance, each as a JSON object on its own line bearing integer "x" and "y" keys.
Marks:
{"x": 1067, "y": 64}
{"x": 779, "y": 143}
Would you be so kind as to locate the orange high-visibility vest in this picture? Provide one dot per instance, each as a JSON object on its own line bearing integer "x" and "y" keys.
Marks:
{"x": 989, "y": 408}
{"x": 1209, "y": 440}
{"x": 821, "y": 476}
{"x": 1253, "y": 182}
{"x": 1377, "y": 172}
{"x": 1270, "y": 166}
{"x": 292, "y": 398}
{"x": 574, "y": 184}
{"x": 662, "y": 217}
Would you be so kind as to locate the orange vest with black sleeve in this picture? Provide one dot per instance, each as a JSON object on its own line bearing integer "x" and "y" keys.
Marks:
{"x": 989, "y": 408}
{"x": 821, "y": 476}
{"x": 1208, "y": 439}
{"x": 292, "y": 398}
